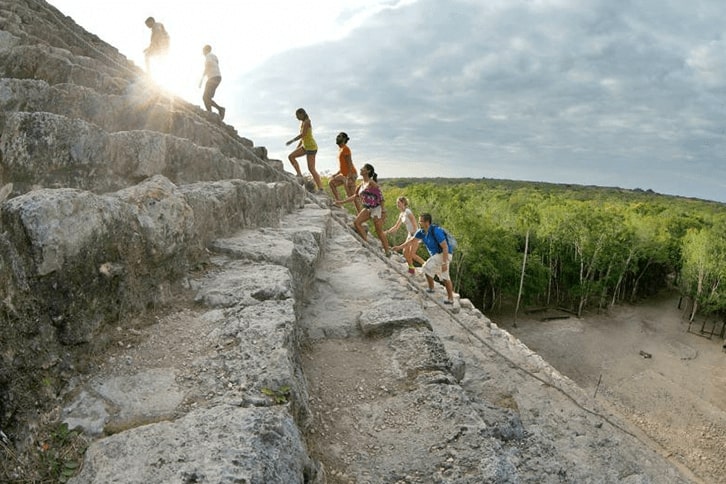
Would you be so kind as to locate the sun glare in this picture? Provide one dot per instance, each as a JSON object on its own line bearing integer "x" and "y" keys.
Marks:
{"x": 179, "y": 75}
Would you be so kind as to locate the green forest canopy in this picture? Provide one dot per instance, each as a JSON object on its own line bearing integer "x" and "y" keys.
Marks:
{"x": 586, "y": 246}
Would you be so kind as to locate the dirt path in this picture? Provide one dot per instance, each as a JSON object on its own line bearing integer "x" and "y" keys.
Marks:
{"x": 667, "y": 381}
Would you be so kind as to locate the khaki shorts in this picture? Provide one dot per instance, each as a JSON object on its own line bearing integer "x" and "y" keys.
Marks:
{"x": 432, "y": 267}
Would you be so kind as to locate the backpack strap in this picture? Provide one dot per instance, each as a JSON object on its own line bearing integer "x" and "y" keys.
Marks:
{"x": 433, "y": 230}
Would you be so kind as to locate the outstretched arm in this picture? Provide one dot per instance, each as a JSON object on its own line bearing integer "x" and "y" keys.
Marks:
{"x": 303, "y": 131}
{"x": 350, "y": 198}
{"x": 395, "y": 227}
{"x": 413, "y": 241}
{"x": 298, "y": 137}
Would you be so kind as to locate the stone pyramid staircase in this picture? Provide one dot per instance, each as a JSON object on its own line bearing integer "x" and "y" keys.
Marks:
{"x": 112, "y": 191}
{"x": 213, "y": 391}
{"x": 162, "y": 283}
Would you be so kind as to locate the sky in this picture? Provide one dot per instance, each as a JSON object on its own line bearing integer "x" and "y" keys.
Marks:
{"x": 610, "y": 93}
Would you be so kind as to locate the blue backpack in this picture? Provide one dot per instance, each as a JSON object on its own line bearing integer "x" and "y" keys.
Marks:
{"x": 450, "y": 239}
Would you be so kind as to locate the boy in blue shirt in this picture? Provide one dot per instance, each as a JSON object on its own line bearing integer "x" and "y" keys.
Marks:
{"x": 434, "y": 238}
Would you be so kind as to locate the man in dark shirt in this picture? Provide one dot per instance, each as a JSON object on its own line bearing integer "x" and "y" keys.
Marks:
{"x": 159, "y": 44}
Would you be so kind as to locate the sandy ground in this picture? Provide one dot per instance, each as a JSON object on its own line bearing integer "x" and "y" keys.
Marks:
{"x": 642, "y": 360}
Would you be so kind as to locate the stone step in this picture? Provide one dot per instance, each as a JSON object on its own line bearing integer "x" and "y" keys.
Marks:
{"x": 91, "y": 80}
{"x": 50, "y": 150}
{"x": 241, "y": 391}
{"x": 141, "y": 107}
{"x": 39, "y": 42}
{"x": 119, "y": 250}
{"x": 59, "y": 66}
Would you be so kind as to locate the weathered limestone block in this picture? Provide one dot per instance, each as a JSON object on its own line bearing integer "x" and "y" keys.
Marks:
{"x": 59, "y": 225}
{"x": 189, "y": 163}
{"x": 243, "y": 283}
{"x": 150, "y": 394}
{"x": 195, "y": 151}
{"x": 389, "y": 315}
{"x": 141, "y": 236}
{"x": 24, "y": 94}
{"x": 57, "y": 66}
{"x": 136, "y": 155}
{"x": 419, "y": 353}
{"x": 262, "y": 366}
{"x": 44, "y": 149}
{"x": 164, "y": 217}
{"x": 224, "y": 206}
{"x": 8, "y": 40}
{"x": 259, "y": 245}
{"x": 296, "y": 243}
{"x": 50, "y": 150}
{"x": 220, "y": 444}
{"x": 38, "y": 22}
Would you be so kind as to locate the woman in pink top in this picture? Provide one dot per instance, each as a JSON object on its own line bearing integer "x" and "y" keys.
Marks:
{"x": 370, "y": 196}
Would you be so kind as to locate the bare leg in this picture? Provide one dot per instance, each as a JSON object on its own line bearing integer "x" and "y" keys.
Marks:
{"x": 298, "y": 152}
{"x": 350, "y": 190}
{"x": 363, "y": 215}
{"x": 311, "y": 168}
{"x": 381, "y": 235}
{"x": 430, "y": 282}
{"x": 449, "y": 289}
{"x": 334, "y": 183}
{"x": 408, "y": 255}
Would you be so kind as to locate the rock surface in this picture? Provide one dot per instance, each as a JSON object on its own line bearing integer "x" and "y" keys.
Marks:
{"x": 174, "y": 294}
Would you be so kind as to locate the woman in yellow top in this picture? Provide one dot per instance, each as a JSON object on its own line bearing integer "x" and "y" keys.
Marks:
{"x": 307, "y": 146}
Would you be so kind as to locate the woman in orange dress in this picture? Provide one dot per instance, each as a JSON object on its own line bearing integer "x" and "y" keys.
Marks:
{"x": 346, "y": 174}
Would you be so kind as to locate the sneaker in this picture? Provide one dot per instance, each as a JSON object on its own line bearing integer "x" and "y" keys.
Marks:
{"x": 411, "y": 270}
{"x": 429, "y": 290}
{"x": 448, "y": 302}
{"x": 221, "y": 113}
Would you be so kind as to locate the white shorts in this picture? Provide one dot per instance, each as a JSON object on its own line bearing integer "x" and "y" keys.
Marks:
{"x": 432, "y": 267}
{"x": 376, "y": 212}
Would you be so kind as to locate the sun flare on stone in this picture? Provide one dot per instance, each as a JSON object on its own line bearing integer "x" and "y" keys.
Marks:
{"x": 175, "y": 74}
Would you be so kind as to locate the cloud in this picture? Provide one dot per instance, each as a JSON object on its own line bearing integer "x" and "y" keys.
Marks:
{"x": 601, "y": 92}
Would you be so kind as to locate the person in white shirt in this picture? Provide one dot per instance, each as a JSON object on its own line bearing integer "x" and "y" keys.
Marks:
{"x": 407, "y": 219}
{"x": 214, "y": 77}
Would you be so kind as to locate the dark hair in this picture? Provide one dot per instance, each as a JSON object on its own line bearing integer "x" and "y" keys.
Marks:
{"x": 150, "y": 20}
{"x": 301, "y": 111}
{"x": 426, "y": 217}
{"x": 371, "y": 171}
{"x": 343, "y": 135}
